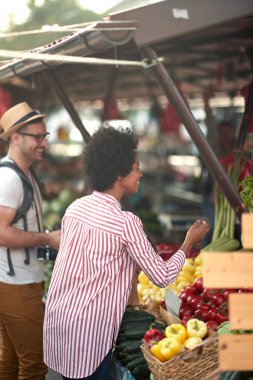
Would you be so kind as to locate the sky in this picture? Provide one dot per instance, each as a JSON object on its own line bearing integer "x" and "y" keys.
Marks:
{"x": 20, "y": 11}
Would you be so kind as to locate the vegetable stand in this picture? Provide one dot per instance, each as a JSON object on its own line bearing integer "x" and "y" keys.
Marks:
{"x": 234, "y": 270}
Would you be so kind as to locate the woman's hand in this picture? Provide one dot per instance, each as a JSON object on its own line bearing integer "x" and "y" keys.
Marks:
{"x": 195, "y": 235}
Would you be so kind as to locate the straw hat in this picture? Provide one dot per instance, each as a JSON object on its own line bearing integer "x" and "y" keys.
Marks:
{"x": 16, "y": 117}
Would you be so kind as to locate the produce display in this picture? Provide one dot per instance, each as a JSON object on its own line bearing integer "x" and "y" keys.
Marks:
{"x": 135, "y": 324}
{"x": 202, "y": 310}
{"x": 208, "y": 305}
{"x": 176, "y": 338}
{"x": 191, "y": 271}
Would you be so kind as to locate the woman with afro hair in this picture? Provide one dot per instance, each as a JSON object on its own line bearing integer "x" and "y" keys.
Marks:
{"x": 101, "y": 247}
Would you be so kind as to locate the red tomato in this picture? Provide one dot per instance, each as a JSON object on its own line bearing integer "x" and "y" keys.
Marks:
{"x": 190, "y": 298}
{"x": 212, "y": 324}
{"x": 183, "y": 296}
{"x": 203, "y": 306}
{"x": 208, "y": 294}
{"x": 201, "y": 314}
{"x": 211, "y": 304}
{"x": 185, "y": 311}
{"x": 223, "y": 308}
{"x": 153, "y": 336}
{"x": 220, "y": 317}
{"x": 163, "y": 304}
{"x": 212, "y": 314}
{"x": 218, "y": 299}
{"x": 194, "y": 301}
{"x": 199, "y": 284}
{"x": 189, "y": 290}
{"x": 222, "y": 314}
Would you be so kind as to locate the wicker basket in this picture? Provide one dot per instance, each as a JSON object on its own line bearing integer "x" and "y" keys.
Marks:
{"x": 189, "y": 365}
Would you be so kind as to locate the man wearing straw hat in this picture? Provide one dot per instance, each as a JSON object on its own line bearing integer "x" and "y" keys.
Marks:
{"x": 21, "y": 273}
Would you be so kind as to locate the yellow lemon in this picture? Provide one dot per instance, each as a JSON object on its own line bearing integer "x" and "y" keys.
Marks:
{"x": 143, "y": 278}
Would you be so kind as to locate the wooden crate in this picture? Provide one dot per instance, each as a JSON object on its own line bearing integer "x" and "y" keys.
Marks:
{"x": 241, "y": 311}
{"x": 228, "y": 270}
{"x": 247, "y": 231}
{"x": 235, "y": 352}
{"x": 234, "y": 270}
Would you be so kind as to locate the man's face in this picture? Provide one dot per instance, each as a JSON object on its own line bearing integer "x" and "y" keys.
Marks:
{"x": 32, "y": 141}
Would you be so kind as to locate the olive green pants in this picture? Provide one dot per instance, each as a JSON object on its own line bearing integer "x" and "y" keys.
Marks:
{"x": 21, "y": 332}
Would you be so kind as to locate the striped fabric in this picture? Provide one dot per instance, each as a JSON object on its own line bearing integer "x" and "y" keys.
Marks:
{"x": 91, "y": 282}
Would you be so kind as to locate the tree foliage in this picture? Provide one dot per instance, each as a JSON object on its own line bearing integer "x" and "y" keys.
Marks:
{"x": 67, "y": 12}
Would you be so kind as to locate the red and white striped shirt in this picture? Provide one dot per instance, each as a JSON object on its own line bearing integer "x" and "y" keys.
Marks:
{"x": 91, "y": 282}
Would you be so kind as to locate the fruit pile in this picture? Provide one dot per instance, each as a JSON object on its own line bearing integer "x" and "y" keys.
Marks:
{"x": 148, "y": 291}
{"x": 175, "y": 338}
{"x": 208, "y": 305}
{"x": 191, "y": 271}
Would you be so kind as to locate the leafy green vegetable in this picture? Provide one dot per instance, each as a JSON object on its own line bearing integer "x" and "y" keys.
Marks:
{"x": 224, "y": 329}
{"x": 247, "y": 192}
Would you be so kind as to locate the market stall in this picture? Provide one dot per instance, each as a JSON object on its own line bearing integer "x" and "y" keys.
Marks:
{"x": 56, "y": 63}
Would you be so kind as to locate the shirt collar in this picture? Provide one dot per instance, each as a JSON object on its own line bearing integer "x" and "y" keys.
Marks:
{"x": 107, "y": 198}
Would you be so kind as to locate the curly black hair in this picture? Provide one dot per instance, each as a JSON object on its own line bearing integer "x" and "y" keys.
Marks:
{"x": 110, "y": 153}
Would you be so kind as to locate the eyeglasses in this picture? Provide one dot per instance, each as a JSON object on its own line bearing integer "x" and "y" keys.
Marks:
{"x": 39, "y": 137}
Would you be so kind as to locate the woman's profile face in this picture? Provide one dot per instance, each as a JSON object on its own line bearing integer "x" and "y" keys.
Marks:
{"x": 131, "y": 181}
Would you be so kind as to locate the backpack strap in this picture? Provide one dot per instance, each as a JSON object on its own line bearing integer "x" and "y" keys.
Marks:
{"x": 28, "y": 190}
{"x": 11, "y": 271}
{"x": 22, "y": 211}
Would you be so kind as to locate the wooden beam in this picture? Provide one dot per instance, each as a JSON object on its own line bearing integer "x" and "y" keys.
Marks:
{"x": 58, "y": 88}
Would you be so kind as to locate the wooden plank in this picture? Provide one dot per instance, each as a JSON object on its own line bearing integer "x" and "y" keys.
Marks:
{"x": 247, "y": 231}
{"x": 228, "y": 270}
{"x": 235, "y": 352}
{"x": 241, "y": 311}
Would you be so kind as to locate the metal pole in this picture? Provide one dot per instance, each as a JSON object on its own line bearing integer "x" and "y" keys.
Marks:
{"x": 195, "y": 132}
{"x": 54, "y": 83}
{"x": 246, "y": 118}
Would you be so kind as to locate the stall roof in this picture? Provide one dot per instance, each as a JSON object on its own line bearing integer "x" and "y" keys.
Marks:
{"x": 203, "y": 44}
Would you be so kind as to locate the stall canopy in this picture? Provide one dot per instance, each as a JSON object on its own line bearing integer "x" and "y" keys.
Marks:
{"x": 197, "y": 43}
{"x": 202, "y": 44}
